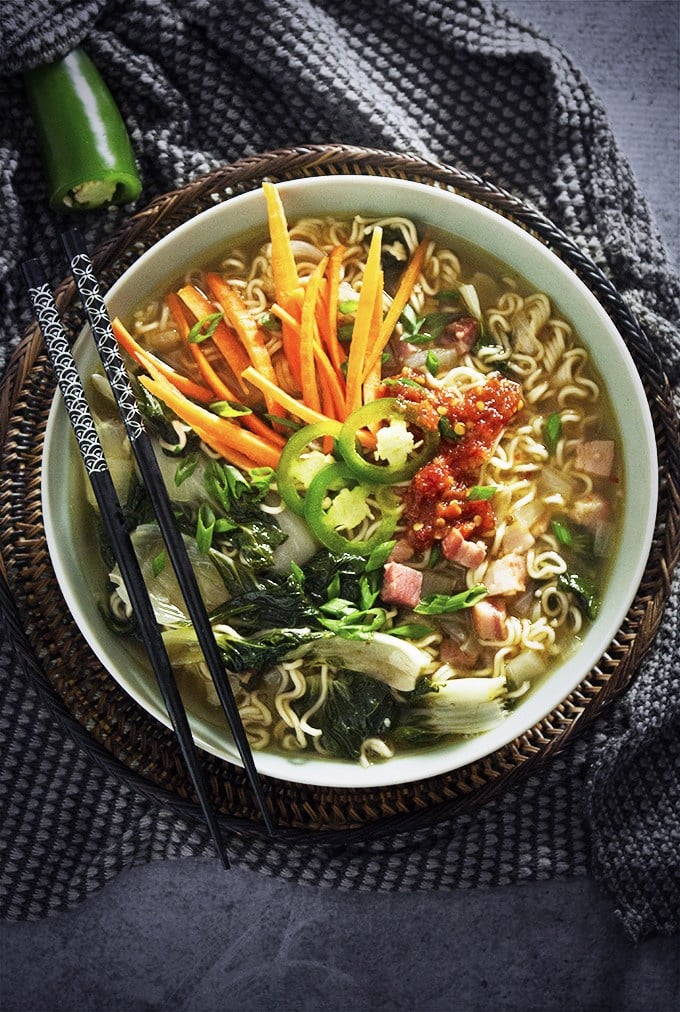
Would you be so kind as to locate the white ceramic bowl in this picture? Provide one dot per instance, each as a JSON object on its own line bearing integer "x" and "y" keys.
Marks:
{"x": 80, "y": 575}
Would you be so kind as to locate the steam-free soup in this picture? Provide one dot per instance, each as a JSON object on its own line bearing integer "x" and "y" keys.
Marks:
{"x": 396, "y": 473}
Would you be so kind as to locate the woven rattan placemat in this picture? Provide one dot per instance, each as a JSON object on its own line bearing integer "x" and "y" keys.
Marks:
{"x": 122, "y": 737}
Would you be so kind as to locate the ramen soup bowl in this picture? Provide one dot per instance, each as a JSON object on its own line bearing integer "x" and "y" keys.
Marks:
{"x": 488, "y": 245}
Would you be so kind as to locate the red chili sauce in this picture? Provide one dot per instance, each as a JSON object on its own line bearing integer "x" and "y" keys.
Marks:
{"x": 436, "y": 499}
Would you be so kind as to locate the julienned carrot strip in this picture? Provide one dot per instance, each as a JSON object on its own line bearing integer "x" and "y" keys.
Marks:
{"x": 216, "y": 383}
{"x": 223, "y": 431}
{"x": 371, "y": 380}
{"x": 205, "y": 435}
{"x": 336, "y": 352}
{"x": 219, "y": 388}
{"x": 362, "y": 323}
{"x": 291, "y": 302}
{"x": 332, "y": 390}
{"x": 225, "y": 339}
{"x": 156, "y": 366}
{"x": 310, "y": 386}
{"x": 292, "y": 406}
{"x": 285, "y": 317}
{"x": 247, "y": 329}
{"x": 284, "y": 268}
{"x": 402, "y": 295}
{"x": 233, "y": 456}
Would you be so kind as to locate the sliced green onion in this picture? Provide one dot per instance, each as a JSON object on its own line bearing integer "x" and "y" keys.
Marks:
{"x": 205, "y": 528}
{"x": 229, "y": 409}
{"x": 443, "y": 604}
{"x": 204, "y": 328}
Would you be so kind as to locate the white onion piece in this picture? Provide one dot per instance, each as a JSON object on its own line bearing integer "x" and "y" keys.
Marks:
{"x": 553, "y": 481}
{"x": 299, "y": 546}
{"x": 602, "y": 538}
{"x": 526, "y": 665}
{"x": 305, "y": 251}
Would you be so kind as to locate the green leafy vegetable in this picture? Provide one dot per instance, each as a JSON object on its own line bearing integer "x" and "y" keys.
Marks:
{"x": 552, "y": 430}
{"x": 584, "y": 588}
{"x": 424, "y": 329}
{"x": 254, "y": 533}
{"x": 270, "y": 322}
{"x": 572, "y": 536}
{"x": 357, "y": 707}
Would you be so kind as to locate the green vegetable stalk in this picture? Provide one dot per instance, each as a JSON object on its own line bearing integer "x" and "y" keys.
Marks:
{"x": 82, "y": 138}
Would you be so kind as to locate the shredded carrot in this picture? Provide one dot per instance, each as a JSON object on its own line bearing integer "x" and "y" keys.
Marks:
{"x": 362, "y": 323}
{"x": 223, "y": 337}
{"x": 285, "y": 317}
{"x": 291, "y": 302}
{"x": 332, "y": 389}
{"x": 402, "y": 295}
{"x": 247, "y": 329}
{"x": 310, "y": 387}
{"x": 284, "y": 268}
{"x": 336, "y": 352}
{"x": 372, "y": 378}
{"x": 222, "y": 431}
{"x": 219, "y": 388}
{"x": 292, "y": 406}
{"x": 156, "y": 366}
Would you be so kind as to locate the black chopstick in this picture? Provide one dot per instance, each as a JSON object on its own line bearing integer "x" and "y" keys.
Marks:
{"x": 75, "y": 401}
{"x": 140, "y": 442}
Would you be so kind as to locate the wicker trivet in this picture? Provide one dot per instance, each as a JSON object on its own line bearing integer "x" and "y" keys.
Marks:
{"x": 115, "y": 732}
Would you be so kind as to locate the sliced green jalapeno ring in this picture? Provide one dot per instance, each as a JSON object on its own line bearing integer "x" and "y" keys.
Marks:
{"x": 333, "y": 478}
{"x": 290, "y": 455}
{"x": 367, "y": 416}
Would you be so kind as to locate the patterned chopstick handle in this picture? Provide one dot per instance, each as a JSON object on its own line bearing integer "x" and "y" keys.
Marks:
{"x": 61, "y": 357}
{"x": 95, "y": 309}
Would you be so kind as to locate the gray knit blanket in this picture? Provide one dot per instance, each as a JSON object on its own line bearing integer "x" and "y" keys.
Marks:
{"x": 201, "y": 84}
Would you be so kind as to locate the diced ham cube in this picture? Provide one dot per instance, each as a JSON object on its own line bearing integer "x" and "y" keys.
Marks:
{"x": 596, "y": 457}
{"x": 401, "y": 552}
{"x": 461, "y": 334}
{"x": 517, "y": 538}
{"x": 401, "y": 585}
{"x": 591, "y": 510}
{"x": 489, "y": 619}
{"x": 507, "y": 575}
{"x": 451, "y": 652}
{"x": 456, "y": 548}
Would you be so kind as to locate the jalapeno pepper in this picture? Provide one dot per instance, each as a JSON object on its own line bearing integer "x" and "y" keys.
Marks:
{"x": 332, "y": 478}
{"x": 291, "y": 453}
{"x": 83, "y": 140}
{"x": 370, "y": 415}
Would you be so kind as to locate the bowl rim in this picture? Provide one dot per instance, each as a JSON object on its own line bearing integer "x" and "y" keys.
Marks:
{"x": 399, "y": 769}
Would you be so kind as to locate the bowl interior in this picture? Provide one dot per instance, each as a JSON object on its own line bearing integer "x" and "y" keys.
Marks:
{"x": 79, "y": 572}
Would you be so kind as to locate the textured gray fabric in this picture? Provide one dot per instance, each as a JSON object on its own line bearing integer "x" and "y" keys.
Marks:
{"x": 203, "y": 83}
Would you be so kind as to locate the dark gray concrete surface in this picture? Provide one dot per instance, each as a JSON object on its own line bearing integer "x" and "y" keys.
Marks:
{"x": 186, "y": 935}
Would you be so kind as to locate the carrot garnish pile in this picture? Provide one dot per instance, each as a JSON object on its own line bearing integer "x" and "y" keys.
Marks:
{"x": 318, "y": 380}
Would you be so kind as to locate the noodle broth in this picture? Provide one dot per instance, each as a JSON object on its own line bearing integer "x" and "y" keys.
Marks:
{"x": 476, "y": 686}
{"x": 549, "y": 514}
